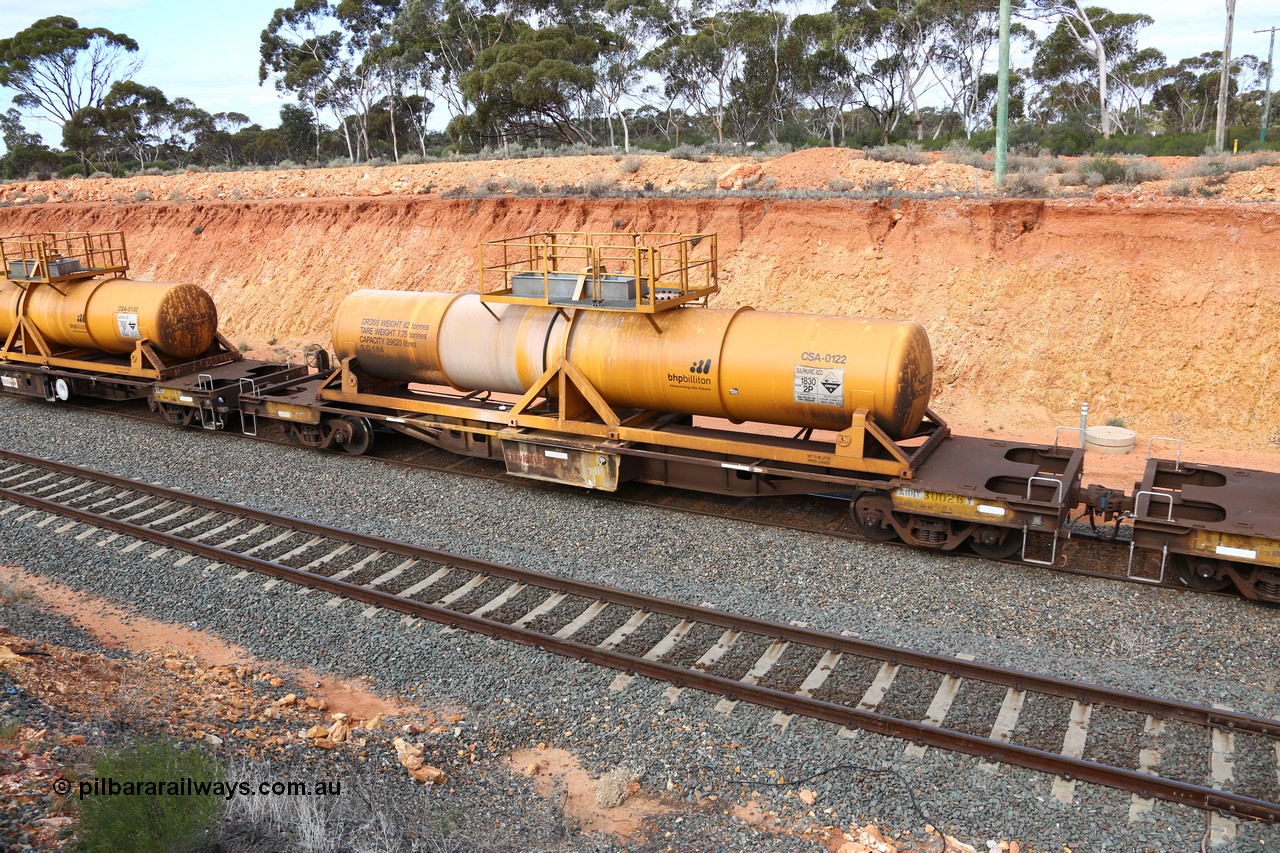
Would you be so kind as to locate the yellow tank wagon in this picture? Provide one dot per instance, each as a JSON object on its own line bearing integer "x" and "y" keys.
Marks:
{"x": 606, "y": 350}
{"x": 73, "y": 325}
{"x": 65, "y": 303}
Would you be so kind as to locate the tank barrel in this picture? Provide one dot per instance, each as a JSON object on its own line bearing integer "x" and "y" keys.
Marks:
{"x": 180, "y": 320}
{"x": 803, "y": 370}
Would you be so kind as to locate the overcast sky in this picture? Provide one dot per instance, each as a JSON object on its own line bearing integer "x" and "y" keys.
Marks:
{"x": 208, "y": 51}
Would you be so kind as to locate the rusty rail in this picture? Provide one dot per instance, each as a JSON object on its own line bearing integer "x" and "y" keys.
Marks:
{"x": 1144, "y": 785}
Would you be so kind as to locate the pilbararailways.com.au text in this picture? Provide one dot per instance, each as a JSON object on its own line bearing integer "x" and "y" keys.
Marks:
{"x": 188, "y": 787}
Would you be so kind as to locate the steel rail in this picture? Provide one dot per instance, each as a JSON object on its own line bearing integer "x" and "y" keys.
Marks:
{"x": 1017, "y": 679}
{"x": 1145, "y": 785}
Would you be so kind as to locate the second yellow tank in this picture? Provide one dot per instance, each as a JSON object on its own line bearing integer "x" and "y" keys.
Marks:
{"x": 801, "y": 370}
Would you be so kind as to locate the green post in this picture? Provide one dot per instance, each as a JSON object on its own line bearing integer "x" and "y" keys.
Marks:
{"x": 1002, "y": 99}
{"x": 1266, "y": 104}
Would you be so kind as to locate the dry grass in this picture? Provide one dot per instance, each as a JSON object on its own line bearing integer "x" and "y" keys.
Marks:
{"x": 881, "y": 186}
{"x": 1025, "y": 185}
{"x": 599, "y": 186}
{"x": 1218, "y": 165}
{"x": 372, "y": 815}
{"x": 957, "y": 152}
{"x": 690, "y": 153}
{"x": 1142, "y": 171}
{"x": 615, "y": 786}
{"x": 13, "y": 593}
{"x": 909, "y": 154}
{"x": 1040, "y": 166}
{"x": 9, "y": 728}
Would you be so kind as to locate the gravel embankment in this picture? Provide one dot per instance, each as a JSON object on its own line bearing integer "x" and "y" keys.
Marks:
{"x": 1204, "y": 650}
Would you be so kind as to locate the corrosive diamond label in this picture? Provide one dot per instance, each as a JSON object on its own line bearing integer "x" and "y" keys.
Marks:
{"x": 128, "y": 325}
{"x": 822, "y": 386}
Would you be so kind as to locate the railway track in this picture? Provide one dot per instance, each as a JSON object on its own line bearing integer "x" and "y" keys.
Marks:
{"x": 1085, "y": 554}
{"x": 1208, "y": 758}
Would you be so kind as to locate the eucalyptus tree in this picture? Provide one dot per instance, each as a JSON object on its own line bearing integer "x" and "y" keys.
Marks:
{"x": 24, "y": 150}
{"x": 869, "y": 40}
{"x": 139, "y": 115}
{"x": 217, "y": 136}
{"x": 177, "y": 128}
{"x": 820, "y": 73}
{"x": 297, "y": 132}
{"x": 326, "y": 54}
{"x": 301, "y": 48}
{"x": 915, "y": 30}
{"x": 85, "y": 134}
{"x": 440, "y": 39}
{"x": 404, "y": 78}
{"x": 967, "y": 42}
{"x": 366, "y": 69}
{"x": 416, "y": 103}
{"x": 617, "y": 74}
{"x": 700, "y": 59}
{"x": 763, "y": 91}
{"x": 532, "y": 87}
{"x": 1136, "y": 74}
{"x": 1186, "y": 93}
{"x": 58, "y": 67}
{"x": 629, "y": 29}
{"x": 1084, "y": 49}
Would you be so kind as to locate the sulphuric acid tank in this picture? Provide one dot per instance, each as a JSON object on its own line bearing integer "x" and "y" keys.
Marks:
{"x": 802, "y": 370}
{"x": 112, "y": 315}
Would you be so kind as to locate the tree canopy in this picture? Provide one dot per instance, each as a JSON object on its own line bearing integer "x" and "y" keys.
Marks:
{"x": 367, "y": 79}
{"x": 58, "y": 67}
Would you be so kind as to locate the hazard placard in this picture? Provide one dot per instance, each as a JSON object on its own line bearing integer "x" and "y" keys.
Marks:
{"x": 128, "y": 325}
{"x": 822, "y": 386}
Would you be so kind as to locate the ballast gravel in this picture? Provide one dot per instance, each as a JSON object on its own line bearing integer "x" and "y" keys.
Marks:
{"x": 1206, "y": 650}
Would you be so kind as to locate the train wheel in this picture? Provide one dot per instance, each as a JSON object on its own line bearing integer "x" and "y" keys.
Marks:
{"x": 995, "y": 543}
{"x": 179, "y": 416}
{"x": 361, "y": 438}
{"x": 293, "y": 432}
{"x": 871, "y": 513}
{"x": 1200, "y": 573}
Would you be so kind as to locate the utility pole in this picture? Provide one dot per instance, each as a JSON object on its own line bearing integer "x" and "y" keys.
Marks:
{"x": 1002, "y": 96}
{"x": 1266, "y": 102}
{"x": 1224, "y": 82}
